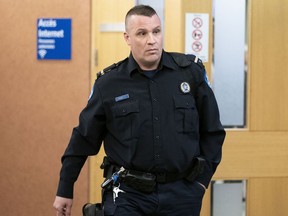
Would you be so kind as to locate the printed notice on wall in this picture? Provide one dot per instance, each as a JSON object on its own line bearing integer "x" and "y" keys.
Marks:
{"x": 197, "y": 35}
{"x": 53, "y": 39}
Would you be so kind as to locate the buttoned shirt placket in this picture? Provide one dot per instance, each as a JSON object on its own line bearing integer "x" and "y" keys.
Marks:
{"x": 156, "y": 121}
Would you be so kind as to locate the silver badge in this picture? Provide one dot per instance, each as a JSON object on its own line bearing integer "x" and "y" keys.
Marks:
{"x": 185, "y": 87}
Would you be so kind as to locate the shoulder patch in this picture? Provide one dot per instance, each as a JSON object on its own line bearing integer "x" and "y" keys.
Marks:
{"x": 108, "y": 69}
{"x": 196, "y": 60}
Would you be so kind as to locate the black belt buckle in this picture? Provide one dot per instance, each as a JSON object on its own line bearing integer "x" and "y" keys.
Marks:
{"x": 95, "y": 209}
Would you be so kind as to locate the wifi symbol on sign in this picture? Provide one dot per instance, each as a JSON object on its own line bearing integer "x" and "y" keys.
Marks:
{"x": 42, "y": 53}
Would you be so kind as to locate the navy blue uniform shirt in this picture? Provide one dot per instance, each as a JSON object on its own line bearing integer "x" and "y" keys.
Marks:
{"x": 155, "y": 123}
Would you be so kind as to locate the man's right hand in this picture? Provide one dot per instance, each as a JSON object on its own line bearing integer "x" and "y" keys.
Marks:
{"x": 63, "y": 206}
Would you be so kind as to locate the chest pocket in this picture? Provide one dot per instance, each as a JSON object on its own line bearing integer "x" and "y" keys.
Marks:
{"x": 186, "y": 114}
{"x": 125, "y": 119}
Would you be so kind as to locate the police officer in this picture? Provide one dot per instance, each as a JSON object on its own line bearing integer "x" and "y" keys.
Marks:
{"x": 157, "y": 115}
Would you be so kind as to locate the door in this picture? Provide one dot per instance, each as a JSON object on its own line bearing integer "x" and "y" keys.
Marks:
{"x": 108, "y": 47}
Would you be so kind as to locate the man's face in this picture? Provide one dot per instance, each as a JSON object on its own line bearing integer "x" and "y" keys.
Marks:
{"x": 144, "y": 36}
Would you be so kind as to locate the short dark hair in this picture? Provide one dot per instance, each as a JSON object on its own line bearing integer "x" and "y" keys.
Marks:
{"x": 141, "y": 10}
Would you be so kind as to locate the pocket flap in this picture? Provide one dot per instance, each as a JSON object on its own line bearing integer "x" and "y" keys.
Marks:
{"x": 123, "y": 109}
{"x": 184, "y": 101}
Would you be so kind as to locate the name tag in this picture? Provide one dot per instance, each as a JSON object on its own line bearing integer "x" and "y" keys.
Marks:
{"x": 122, "y": 97}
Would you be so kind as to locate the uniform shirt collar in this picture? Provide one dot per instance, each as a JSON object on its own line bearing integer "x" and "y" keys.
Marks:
{"x": 166, "y": 61}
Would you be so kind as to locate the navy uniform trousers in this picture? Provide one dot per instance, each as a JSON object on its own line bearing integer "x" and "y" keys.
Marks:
{"x": 180, "y": 198}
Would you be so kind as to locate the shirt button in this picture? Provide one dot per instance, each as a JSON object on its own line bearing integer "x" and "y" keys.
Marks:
{"x": 157, "y": 137}
{"x": 156, "y": 118}
{"x": 154, "y": 99}
{"x": 157, "y": 156}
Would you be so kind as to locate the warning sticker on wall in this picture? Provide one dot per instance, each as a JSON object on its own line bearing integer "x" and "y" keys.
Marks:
{"x": 197, "y": 35}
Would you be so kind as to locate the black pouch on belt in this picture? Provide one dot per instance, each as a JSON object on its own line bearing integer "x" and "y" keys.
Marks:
{"x": 143, "y": 182}
{"x": 197, "y": 169}
{"x": 93, "y": 209}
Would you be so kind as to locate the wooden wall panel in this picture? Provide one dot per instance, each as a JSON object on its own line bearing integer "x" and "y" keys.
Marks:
{"x": 173, "y": 26}
{"x": 268, "y": 65}
{"x": 267, "y": 196}
{"x": 254, "y": 154}
{"x": 39, "y": 104}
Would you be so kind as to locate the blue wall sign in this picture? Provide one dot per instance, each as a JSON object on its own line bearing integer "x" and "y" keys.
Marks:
{"x": 53, "y": 39}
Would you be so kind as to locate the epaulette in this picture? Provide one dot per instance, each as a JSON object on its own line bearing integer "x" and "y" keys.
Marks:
{"x": 108, "y": 69}
{"x": 183, "y": 60}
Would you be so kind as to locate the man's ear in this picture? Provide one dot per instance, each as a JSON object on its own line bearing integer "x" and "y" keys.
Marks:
{"x": 127, "y": 38}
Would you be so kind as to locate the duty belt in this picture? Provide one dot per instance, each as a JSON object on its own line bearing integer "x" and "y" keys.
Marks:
{"x": 146, "y": 181}
{"x": 166, "y": 177}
